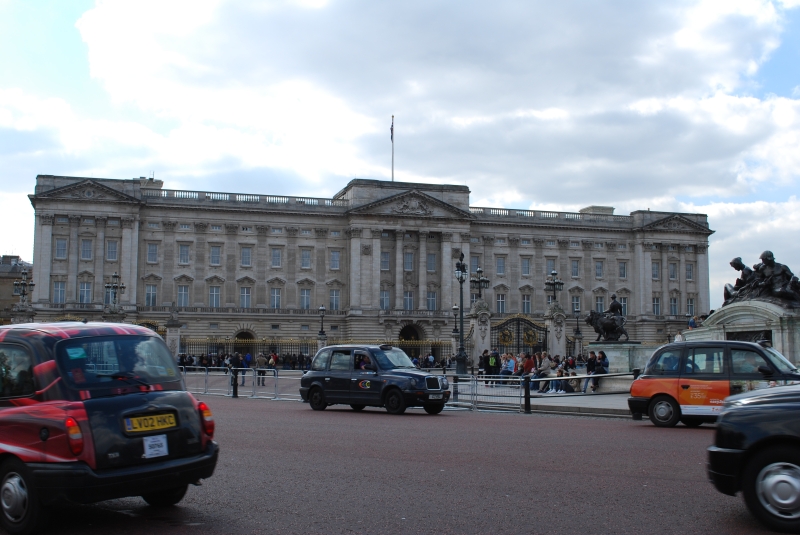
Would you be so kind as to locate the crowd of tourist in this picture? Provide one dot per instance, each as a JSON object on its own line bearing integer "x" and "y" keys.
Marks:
{"x": 271, "y": 361}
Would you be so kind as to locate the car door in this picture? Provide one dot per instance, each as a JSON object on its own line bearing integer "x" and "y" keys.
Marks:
{"x": 337, "y": 381}
{"x": 704, "y": 382}
{"x": 745, "y": 376}
{"x": 365, "y": 386}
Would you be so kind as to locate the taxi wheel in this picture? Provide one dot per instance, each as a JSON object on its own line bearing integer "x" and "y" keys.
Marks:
{"x": 691, "y": 422}
{"x": 357, "y": 407}
{"x": 21, "y": 511}
{"x": 771, "y": 487}
{"x": 434, "y": 409}
{"x": 166, "y": 498}
{"x": 317, "y": 399}
{"x": 395, "y": 403}
{"x": 664, "y": 411}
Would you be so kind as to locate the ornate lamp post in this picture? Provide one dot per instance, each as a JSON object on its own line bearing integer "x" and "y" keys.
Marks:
{"x": 321, "y": 320}
{"x": 23, "y": 288}
{"x": 479, "y": 282}
{"x": 577, "y": 313}
{"x": 456, "y": 308}
{"x": 553, "y": 284}
{"x": 116, "y": 288}
{"x": 461, "y": 277}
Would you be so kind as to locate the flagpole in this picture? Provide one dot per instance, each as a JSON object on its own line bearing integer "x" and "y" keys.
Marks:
{"x": 392, "y": 148}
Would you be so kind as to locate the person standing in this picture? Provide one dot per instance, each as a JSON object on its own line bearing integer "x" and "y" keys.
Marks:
{"x": 601, "y": 369}
{"x": 246, "y": 363}
{"x": 591, "y": 366}
{"x": 261, "y": 364}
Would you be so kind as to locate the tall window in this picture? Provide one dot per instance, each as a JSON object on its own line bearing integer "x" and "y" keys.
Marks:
{"x": 526, "y": 266}
{"x": 473, "y": 298}
{"x": 501, "y": 265}
{"x": 673, "y": 271}
{"x": 244, "y": 297}
{"x": 216, "y": 254}
{"x": 335, "y": 259}
{"x": 657, "y": 306}
{"x": 183, "y": 295}
{"x": 408, "y": 261}
{"x": 85, "y": 292}
{"x": 598, "y": 269}
{"x": 600, "y": 303}
{"x": 213, "y": 296}
{"x": 183, "y": 254}
{"x": 275, "y": 298}
{"x": 656, "y": 270}
{"x": 384, "y": 261}
{"x": 690, "y": 306}
{"x": 689, "y": 272}
{"x": 150, "y": 295}
{"x": 334, "y": 300}
{"x": 623, "y": 270}
{"x": 305, "y": 258}
{"x": 576, "y": 303}
{"x": 247, "y": 256}
{"x": 107, "y": 298}
{"x": 61, "y": 248}
{"x": 501, "y": 303}
{"x": 624, "y": 302}
{"x": 431, "y": 300}
{"x": 152, "y": 252}
{"x": 86, "y": 249}
{"x": 526, "y": 304}
{"x": 305, "y": 299}
{"x": 551, "y": 265}
{"x": 276, "y": 257}
{"x": 408, "y": 300}
{"x": 673, "y": 306}
{"x": 384, "y": 300}
{"x": 576, "y": 268}
{"x": 549, "y": 299}
{"x": 112, "y": 253}
{"x": 59, "y": 292}
{"x": 431, "y": 261}
{"x": 474, "y": 263}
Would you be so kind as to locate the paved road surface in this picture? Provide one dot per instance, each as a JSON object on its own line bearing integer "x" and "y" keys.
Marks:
{"x": 287, "y": 469}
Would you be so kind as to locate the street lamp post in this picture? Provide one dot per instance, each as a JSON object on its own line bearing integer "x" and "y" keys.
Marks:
{"x": 321, "y": 320}
{"x": 479, "y": 282}
{"x": 116, "y": 288}
{"x": 456, "y": 308}
{"x": 553, "y": 284}
{"x": 577, "y": 313}
{"x": 461, "y": 277}
{"x": 23, "y": 288}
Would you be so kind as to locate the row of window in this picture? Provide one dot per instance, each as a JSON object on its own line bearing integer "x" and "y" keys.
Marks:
{"x": 87, "y": 249}
{"x": 672, "y": 268}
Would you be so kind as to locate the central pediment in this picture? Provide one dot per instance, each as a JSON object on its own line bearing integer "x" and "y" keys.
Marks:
{"x": 414, "y": 204}
{"x": 86, "y": 190}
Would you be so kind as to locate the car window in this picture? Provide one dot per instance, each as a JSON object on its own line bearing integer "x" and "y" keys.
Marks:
{"x": 783, "y": 365}
{"x": 392, "y": 358}
{"x": 320, "y": 363}
{"x": 705, "y": 360}
{"x": 360, "y": 360}
{"x": 16, "y": 372}
{"x": 103, "y": 361}
{"x": 340, "y": 360}
{"x": 667, "y": 363}
{"x": 746, "y": 361}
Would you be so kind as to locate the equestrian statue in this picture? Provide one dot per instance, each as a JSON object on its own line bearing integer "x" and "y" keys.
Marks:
{"x": 610, "y": 324}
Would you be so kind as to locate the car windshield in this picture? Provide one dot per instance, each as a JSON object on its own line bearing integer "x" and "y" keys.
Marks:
{"x": 109, "y": 361}
{"x": 781, "y": 362}
{"x": 392, "y": 358}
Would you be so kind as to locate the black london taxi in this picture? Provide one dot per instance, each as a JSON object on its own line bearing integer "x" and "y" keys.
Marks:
{"x": 757, "y": 451}
{"x": 91, "y": 412}
{"x": 374, "y": 376}
{"x": 689, "y": 381}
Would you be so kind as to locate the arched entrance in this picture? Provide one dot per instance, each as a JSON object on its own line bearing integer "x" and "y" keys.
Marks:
{"x": 410, "y": 333}
{"x": 244, "y": 342}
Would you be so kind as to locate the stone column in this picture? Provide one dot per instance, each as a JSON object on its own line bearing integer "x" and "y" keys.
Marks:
{"x": 74, "y": 255}
{"x": 322, "y": 341}
{"x": 129, "y": 259}
{"x": 423, "y": 270}
{"x": 682, "y": 284}
{"x": 447, "y": 267}
{"x": 99, "y": 291}
{"x": 398, "y": 270}
{"x": 291, "y": 297}
{"x": 703, "y": 290}
{"x": 465, "y": 248}
{"x": 375, "y": 272}
{"x": 555, "y": 320}
{"x": 355, "y": 268}
{"x": 173, "y": 340}
{"x": 43, "y": 258}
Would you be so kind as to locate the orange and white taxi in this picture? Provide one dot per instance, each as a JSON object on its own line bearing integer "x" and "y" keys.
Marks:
{"x": 688, "y": 382}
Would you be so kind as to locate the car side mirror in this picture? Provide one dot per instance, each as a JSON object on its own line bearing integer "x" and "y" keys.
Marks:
{"x": 765, "y": 370}
{"x": 370, "y": 367}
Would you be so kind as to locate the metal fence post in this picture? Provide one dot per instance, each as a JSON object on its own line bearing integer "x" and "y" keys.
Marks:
{"x": 205, "y": 387}
{"x": 455, "y": 388}
{"x": 527, "y": 394}
{"x": 275, "y": 375}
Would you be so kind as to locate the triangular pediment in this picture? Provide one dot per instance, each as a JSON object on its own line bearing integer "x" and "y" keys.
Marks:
{"x": 335, "y": 283}
{"x": 526, "y": 288}
{"x": 276, "y": 280}
{"x": 246, "y": 280}
{"x": 576, "y": 289}
{"x": 414, "y": 204}
{"x": 215, "y": 279}
{"x": 151, "y": 277}
{"x": 306, "y": 282}
{"x": 85, "y": 191}
{"x": 623, "y": 291}
{"x": 183, "y": 278}
{"x": 677, "y": 223}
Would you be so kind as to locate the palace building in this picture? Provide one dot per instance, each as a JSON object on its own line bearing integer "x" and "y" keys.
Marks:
{"x": 379, "y": 256}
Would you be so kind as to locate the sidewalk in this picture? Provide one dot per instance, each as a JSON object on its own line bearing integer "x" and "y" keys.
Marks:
{"x": 606, "y": 405}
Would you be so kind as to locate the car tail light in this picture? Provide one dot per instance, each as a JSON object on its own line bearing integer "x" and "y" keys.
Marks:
{"x": 207, "y": 418}
{"x": 74, "y": 436}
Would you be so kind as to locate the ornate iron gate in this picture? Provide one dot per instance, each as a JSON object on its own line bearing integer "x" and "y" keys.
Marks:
{"x": 519, "y": 334}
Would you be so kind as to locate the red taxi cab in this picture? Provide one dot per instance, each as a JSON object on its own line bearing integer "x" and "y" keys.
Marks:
{"x": 687, "y": 382}
{"x": 92, "y": 412}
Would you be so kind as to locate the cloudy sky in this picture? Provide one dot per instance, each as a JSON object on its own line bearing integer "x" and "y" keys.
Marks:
{"x": 680, "y": 105}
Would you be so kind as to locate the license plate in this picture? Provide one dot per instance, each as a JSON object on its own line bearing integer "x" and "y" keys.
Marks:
{"x": 144, "y": 424}
{"x": 155, "y": 446}
{"x": 435, "y": 396}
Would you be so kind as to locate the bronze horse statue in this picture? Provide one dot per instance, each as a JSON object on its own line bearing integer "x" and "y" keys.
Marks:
{"x": 610, "y": 328}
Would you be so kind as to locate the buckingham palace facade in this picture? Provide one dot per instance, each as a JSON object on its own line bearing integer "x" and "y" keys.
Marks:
{"x": 379, "y": 256}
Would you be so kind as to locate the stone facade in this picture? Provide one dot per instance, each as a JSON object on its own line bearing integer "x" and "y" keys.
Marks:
{"x": 379, "y": 256}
